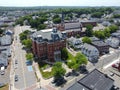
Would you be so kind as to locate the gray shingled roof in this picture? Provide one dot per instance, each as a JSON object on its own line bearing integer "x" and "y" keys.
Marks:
{"x": 97, "y": 81}
{"x": 99, "y": 43}
{"x": 89, "y": 47}
{"x": 77, "y": 86}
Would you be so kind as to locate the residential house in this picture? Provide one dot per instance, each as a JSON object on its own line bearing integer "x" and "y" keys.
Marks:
{"x": 6, "y": 40}
{"x": 76, "y": 43}
{"x": 6, "y": 50}
{"x": 90, "y": 51}
{"x": 101, "y": 46}
{"x": 95, "y": 80}
{"x": 47, "y": 44}
{"x": 113, "y": 42}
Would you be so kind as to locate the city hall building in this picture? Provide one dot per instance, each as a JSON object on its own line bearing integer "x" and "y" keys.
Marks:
{"x": 47, "y": 44}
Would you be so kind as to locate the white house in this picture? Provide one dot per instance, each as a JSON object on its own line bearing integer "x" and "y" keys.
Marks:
{"x": 6, "y": 40}
{"x": 113, "y": 42}
{"x": 91, "y": 52}
{"x": 75, "y": 42}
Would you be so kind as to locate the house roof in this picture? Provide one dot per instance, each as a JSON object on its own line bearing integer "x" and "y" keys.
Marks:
{"x": 74, "y": 40}
{"x": 89, "y": 47}
{"x": 96, "y": 80}
{"x": 94, "y": 39}
{"x": 99, "y": 43}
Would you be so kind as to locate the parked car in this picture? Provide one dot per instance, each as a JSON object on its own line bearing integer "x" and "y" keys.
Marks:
{"x": 116, "y": 65}
{"x": 16, "y": 62}
{"x": 74, "y": 73}
{"x": 60, "y": 81}
{"x": 16, "y": 77}
{"x": 2, "y": 72}
{"x": 28, "y": 62}
{"x": 83, "y": 69}
{"x": 68, "y": 74}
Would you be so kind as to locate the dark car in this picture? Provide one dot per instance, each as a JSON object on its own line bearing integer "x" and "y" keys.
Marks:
{"x": 83, "y": 69}
{"x": 75, "y": 73}
{"x": 28, "y": 63}
{"x": 68, "y": 74}
{"x": 16, "y": 77}
{"x": 60, "y": 81}
{"x": 16, "y": 62}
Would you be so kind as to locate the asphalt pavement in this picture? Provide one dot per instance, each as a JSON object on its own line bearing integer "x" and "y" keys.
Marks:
{"x": 26, "y": 78}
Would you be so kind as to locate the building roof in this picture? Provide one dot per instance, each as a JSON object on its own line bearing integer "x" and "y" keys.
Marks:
{"x": 74, "y": 40}
{"x": 74, "y": 25}
{"x": 96, "y": 80}
{"x": 48, "y": 34}
{"x": 115, "y": 34}
{"x": 94, "y": 38}
{"x": 77, "y": 86}
{"x": 99, "y": 43}
{"x": 89, "y": 47}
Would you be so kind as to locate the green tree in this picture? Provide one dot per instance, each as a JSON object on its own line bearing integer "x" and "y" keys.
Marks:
{"x": 1, "y": 31}
{"x": 23, "y": 36}
{"x": 100, "y": 34}
{"x": 97, "y": 14}
{"x": 41, "y": 26}
{"x": 113, "y": 28}
{"x": 64, "y": 54}
{"x": 58, "y": 70}
{"x": 107, "y": 32}
{"x": 27, "y": 43}
{"x": 29, "y": 56}
{"x": 81, "y": 59}
{"x": 78, "y": 60}
{"x": 89, "y": 30}
{"x": 57, "y": 20}
{"x": 86, "y": 40}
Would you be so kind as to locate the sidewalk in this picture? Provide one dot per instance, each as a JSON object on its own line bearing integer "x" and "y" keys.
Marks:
{"x": 44, "y": 84}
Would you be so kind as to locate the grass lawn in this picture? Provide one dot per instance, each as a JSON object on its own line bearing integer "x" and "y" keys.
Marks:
{"x": 6, "y": 87}
{"x": 46, "y": 74}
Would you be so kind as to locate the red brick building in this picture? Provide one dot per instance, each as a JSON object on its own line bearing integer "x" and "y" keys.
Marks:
{"x": 71, "y": 28}
{"x": 47, "y": 44}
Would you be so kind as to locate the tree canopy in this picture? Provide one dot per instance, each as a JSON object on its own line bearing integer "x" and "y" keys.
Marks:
{"x": 78, "y": 60}
{"x": 86, "y": 40}
{"x": 89, "y": 30}
{"x": 58, "y": 70}
{"x": 64, "y": 54}
{"x": 29, "y": 56}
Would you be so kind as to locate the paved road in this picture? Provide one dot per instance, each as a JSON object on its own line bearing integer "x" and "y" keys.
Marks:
{"x": 26, "y": 78}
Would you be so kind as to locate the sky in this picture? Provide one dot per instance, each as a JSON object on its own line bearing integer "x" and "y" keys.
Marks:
{"x": 59, "y": 2}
